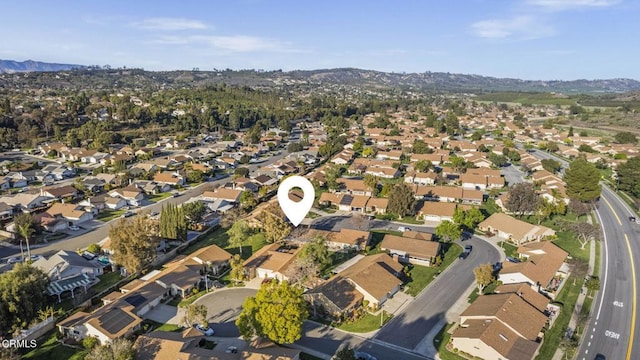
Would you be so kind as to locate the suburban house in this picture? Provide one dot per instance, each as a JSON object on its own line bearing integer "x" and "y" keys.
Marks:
{"x": 373, "y": 278}
{"x": 420, "y": 178}
{"x": 411, "y": 250}
{"x": 213, "y": 257}
{"x": 543, "y": 267}
{"x": 6, "y": 211}
{"x": 72, "y": 214}
{"x": 514, "y": 230}
{"x": 131, "y": 194}
{"x": 168, "y": 177}
{"x": 67, "y": 271}
{"x": 61, "y": 193}
{"x": 271, "y": 262}
{"x": 507, "y": 325}
{"x": 26, "y": 202}
{"x": 343, "y": 240}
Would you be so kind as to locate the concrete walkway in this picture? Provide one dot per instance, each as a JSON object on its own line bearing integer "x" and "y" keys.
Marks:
{"x": 573, "y": 322}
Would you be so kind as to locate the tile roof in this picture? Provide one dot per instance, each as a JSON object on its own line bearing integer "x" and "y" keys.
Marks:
{"x": 416, "y": 248}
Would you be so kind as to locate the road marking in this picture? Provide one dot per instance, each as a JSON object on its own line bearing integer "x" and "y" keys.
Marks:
{"x": 591, "y": 336}
{"x": 611, "y": 334}
{"x": 606, "y": 265}
{"x": 618, "y": 303}
{"x": 633, "y": 297}
{"x": 594, "y": 330}
{"x": 586, "y": 351}
{"x": 589, "y": 344}
{"x": 613, "y": 211}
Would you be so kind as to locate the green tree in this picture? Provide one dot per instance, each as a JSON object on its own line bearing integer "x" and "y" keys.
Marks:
{"x": 484, "y": 276}
{"x": 25, "y": 230}
{"x": 195, "y": 176}
{"x": 194, "y": 211}
{"x": 133, "y": 243}
{"x": 274, "y": 226}
{"x": 94, "y": 248}
{"x": 332, "y": 174}
{"x": 241, "y": 172}
{"x": 401, "y": 200}
{"x": 582, "y": 179}
{"x": 90, "y": 342}
{"x": 468, "y": 219}
{"x": 570, "y": 134}
{"x": 629, "y": 176}
{"x": 238, "y": 233}
{"x": 247, "y": 200}
{"x": 422, "y": 165}
{"x": 22, "y": 294}
{"x": 448, "y": 231}
{"x": 118, "y": 349}
{"x": 458, "y": 163}
{"x": 345, "y": 353}
{"x": 317, "y": 252}
{"x": 237, "y": 268}
{"x": 173, "y": 223}
{"x": 626, "y": 137}
{"x": 277, "y": 313}
{"x": 368, "y": 152}
{"x": 197, "y": 314}
{"x": 551, "y": 165}
{"x": 371, "y": 182}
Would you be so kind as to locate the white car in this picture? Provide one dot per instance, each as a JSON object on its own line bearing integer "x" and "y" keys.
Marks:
{"x": 206, "y": 331}
{"x": 14, "y": 260}
{"x": 74, "y": 228}
{"x": 404, "y": 228}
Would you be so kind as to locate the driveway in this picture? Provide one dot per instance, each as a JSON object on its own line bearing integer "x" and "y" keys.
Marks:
{"x": 165, "y": 314}
{"x": 223, "y": 307}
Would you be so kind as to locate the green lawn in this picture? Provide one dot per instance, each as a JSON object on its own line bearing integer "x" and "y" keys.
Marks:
{"x": 411, "y": 220}
{"x": 108, "y": 215}
{"x": 366, "y": 323}
{"x": 50, "y": 348}
{"x": 421, "y": 276}
{"x": 162, "y": 327}
{"x": 440, "y": 342}
{"x": 191, "y": 299}
{"x": 107, "y": 280}
{"x": 489, "y": 207}
{"x": 217, "y": 237}
{"x": 569, "y": 244}
{"x": 252, "y": 244}
{"x": 157, "y": 197}
{"x": 510, "y": 250}
{"x": 567, "y": 300}
{"x": 312, "y": 215}
{"x": 488, "y": 290}
{"x": 337, "y": 258}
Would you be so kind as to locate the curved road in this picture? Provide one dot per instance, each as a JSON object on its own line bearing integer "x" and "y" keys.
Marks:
{"x": 613, "y": 329}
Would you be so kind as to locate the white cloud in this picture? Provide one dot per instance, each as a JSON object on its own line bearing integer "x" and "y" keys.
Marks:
{"x": 559, "y": 5}
{"x": 518, "y": 27}
{"x": 234, "y": 43}
{"x": 170, "y": 24}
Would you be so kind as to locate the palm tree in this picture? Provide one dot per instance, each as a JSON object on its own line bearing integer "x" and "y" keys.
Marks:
{"x": 25, "y": 230}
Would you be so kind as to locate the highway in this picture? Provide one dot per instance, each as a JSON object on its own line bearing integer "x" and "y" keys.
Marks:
{"x": 613, "y": 330}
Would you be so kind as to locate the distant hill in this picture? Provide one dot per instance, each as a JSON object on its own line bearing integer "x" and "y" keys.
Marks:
{"x": 11, "y": 66}
{"x": 91, "y": 76}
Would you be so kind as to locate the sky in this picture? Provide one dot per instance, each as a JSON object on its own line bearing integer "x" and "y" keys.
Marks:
{"x": 526, "y": 39}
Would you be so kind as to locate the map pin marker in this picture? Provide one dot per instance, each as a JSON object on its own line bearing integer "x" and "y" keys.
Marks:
{"x": 296, "y": 211}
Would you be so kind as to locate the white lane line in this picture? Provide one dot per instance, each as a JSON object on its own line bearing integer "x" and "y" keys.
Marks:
{"x": 586, "y": 352}
{"x": 594, "y": 330}
{"x": 606, "y": 265}
{"x": 592, "y": 336}
{"x": 589, "y": 344}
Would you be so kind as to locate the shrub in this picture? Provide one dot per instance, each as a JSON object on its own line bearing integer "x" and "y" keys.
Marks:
{"x": 89, "y": 343}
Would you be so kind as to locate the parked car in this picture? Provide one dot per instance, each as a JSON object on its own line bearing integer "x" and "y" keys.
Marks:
{"x": 364, "y": 356}
{"x": 89, "y": 255}
{"x": 206, "y": 331}
{"x": 466, "y": 252}
{"x": 404, "y": 228}
{"x": 74, "y": 228}
{"x": 232, "y": 350}
{"x": 14, "y": 260}
{"x": 632, "y": 218}
{"x": 512, "y": 259}
{"x": 36, "y": 257}
{"x": 127, "y": 214}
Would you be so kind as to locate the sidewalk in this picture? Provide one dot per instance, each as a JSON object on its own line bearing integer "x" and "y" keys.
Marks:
{"x": 573, "y": 322}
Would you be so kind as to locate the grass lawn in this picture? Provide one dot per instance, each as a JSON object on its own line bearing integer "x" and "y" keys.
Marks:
{"x": 337, "y": 258}
{"x": 489, "y": 207}
{"x": 174, "y": 302}
{"x": 509, "y": 249}
{"x": 157, "y": 197}
{"x": 50, "y": 348}
{"x": 488, "y": 290}
{"x": 440, "y": 342}
{"x": 421, "y": 276}
{"x": 252, "y": 244}
{"x": 411, "y": 220}
{"x": 567, "y": 300}
{"x": 366, "y": 323}
{"x": 108, "y": 215}
{"x": 312, "y": 215}
{"x": 217, "y": 237}
{"x": 191, "y": 299}
{"x": 568, "y": 243}
{"x": 162, "y": 327}
{"x": 107, "y": 280}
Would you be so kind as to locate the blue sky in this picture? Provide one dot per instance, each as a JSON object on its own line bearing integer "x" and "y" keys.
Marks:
{"x": 528, "y": 39}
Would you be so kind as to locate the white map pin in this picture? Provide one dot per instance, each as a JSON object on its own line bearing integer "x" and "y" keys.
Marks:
{"x": 296, "y": 211}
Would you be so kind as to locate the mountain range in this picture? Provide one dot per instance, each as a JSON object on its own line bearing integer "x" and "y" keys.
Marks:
{"x": 11, "y": 66}
{"x": 426, "y": 81}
